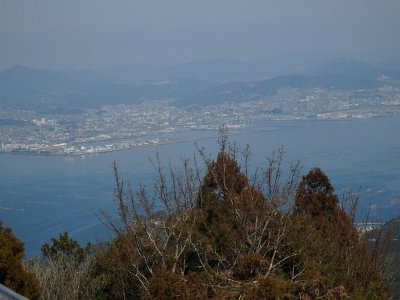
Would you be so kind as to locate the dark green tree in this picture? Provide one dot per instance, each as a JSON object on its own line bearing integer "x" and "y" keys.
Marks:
{"x": 336, "y": 255}
{"x": 12, "y": 272}
{"x": 315, "y": 195}
{"x": 65, "y": 246}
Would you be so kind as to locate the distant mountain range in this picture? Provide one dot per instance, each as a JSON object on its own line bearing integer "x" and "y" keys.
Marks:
{"x": 224, "y": 70}
{"x": 27, "y": 87}
{"x": 341, "y": 74}
{"x": 184, "y": 84}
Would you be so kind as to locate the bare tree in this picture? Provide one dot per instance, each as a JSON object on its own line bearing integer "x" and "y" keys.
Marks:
{"x": 236, "y": 230}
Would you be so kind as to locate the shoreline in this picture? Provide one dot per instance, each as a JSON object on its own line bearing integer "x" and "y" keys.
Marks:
{"x": 236, "y": 130}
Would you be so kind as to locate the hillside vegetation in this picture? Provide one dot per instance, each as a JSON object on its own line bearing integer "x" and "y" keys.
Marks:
{"x": 213, "y": 230}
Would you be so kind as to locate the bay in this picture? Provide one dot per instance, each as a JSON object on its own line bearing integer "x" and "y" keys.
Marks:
{"x": 42, "y": 196}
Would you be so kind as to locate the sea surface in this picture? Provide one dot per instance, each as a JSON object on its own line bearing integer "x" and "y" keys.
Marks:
{"x": 42, "y": 196}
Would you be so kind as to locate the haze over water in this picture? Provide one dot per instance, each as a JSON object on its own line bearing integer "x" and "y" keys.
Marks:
{"x": 97, "y": 34}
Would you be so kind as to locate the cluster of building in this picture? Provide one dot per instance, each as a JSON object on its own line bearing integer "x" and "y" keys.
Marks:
{"x": 119, "y": 127}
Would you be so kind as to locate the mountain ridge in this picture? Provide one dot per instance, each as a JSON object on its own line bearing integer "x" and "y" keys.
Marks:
{"x": 24, "y": 86}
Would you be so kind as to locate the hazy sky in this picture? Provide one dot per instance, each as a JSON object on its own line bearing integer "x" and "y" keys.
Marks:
{"x": 98, "y": 33}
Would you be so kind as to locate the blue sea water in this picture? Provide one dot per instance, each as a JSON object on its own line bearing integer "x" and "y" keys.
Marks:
{"x": 41, "y": 196}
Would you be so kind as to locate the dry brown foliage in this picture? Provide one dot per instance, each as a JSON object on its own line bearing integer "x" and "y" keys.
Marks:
{"x": 12, "y": 272}
{"x": 219, "y": 232}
